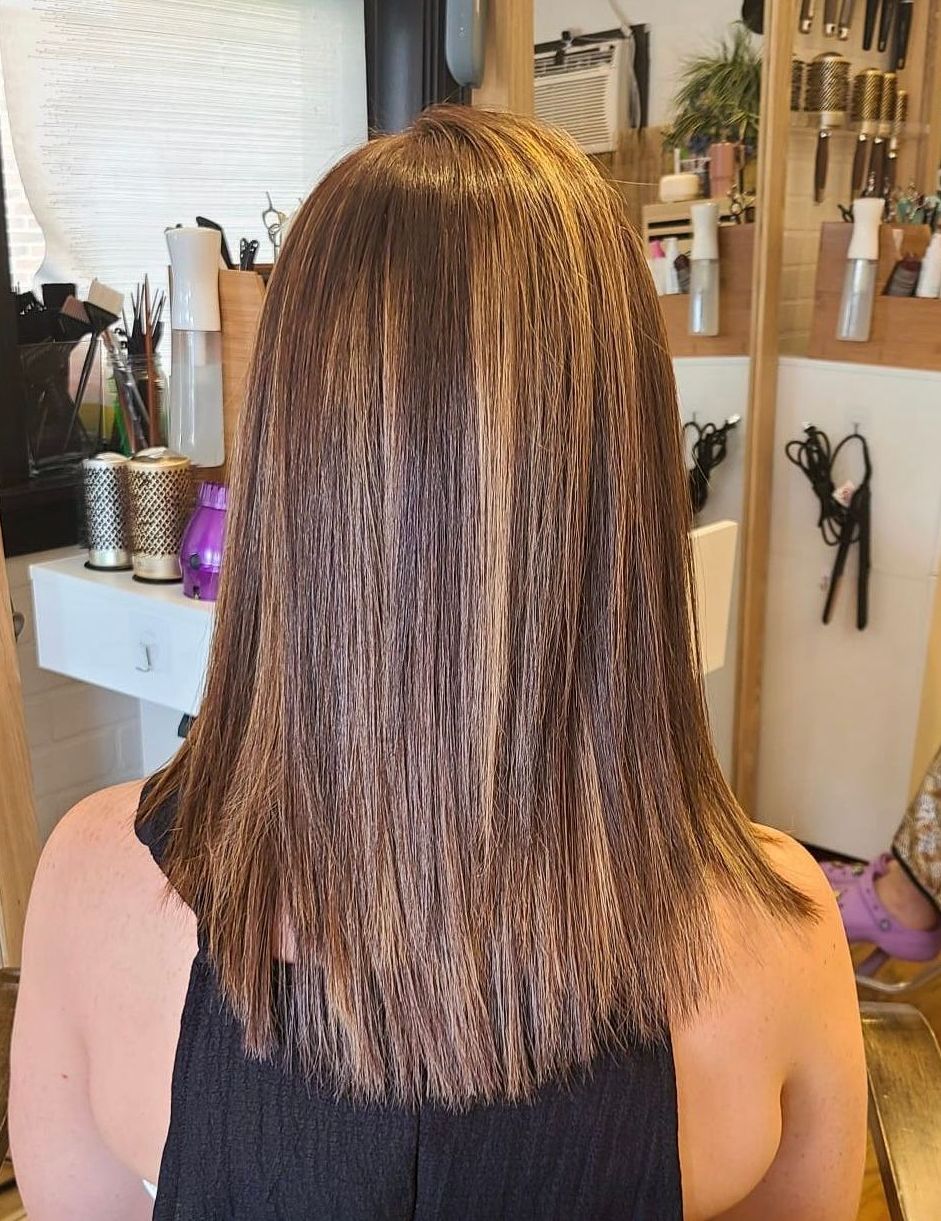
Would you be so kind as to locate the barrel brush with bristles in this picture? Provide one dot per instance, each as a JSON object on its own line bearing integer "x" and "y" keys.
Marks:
{"x": 865, "y": 103}
{"x": 898, "y": 130}
{"x": 827, "y": 96}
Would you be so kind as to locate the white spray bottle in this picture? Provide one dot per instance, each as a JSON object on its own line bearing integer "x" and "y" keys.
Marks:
{"x": 196, "y": 350}
{"x": 854, "y": 321}
{"x": 704, "y": 270}
{"x": 929, "y": 278}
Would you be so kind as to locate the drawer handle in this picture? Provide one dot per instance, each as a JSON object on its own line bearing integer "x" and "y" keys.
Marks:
{"x": 145, "y": 669}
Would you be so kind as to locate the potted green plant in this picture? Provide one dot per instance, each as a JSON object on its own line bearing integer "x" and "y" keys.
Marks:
{"x": 716, "y": 106}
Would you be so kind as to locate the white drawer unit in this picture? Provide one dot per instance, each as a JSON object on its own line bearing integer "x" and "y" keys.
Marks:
{"x": 108, "y": 629}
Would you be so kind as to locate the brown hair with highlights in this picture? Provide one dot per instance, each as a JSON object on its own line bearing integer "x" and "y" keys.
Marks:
{"x": 453, "y": 758}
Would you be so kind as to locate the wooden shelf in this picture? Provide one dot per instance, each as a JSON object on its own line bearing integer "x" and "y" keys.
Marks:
{"x": 736, "y": 244}
{"x": 906, "y": 331}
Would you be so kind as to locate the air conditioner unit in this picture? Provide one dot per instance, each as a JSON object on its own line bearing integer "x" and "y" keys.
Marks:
{"x": 587, "y": 87}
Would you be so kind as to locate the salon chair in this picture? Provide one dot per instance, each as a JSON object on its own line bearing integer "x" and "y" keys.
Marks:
{"x": 903, "y": 1064}
{"x": 896, "y": 987}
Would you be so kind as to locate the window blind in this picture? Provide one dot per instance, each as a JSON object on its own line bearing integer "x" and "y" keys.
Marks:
{"x": 128, "y": 116}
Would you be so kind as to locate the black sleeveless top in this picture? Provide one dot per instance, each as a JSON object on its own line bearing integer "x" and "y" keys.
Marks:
{"x": 247, "y": 1142}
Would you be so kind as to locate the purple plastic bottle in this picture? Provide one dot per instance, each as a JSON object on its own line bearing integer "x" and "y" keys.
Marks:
{"x": 201, "y": 549}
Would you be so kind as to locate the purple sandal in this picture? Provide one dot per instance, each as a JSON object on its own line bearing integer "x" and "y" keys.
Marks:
{"x": 841, "y": 874}
{"x": 865, "y": 919}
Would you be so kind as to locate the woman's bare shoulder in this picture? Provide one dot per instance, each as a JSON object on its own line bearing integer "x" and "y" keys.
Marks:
{"x": 781, "y": 1010}
{"x": 94, "y": 869}
{"x": 771, "y": 959}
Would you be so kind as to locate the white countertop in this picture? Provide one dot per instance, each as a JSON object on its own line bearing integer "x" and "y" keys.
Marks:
{"x": 106, "y": 628}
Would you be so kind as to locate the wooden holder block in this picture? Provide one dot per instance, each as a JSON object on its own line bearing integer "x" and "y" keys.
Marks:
{"x": 906, "y": 331}
{"x": 241, "y": 297}
{"x": 736, "y": 243}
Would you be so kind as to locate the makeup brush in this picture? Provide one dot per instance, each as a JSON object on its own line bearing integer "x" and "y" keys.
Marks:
{"x": 33, "y": 322}
{"x": 829, "y": 17}
{"x": 104, "y": 305}
{"x": 73, "y": 320}
{"x": 846, "y": 19}
{"x": 807, "y": 16}
{"x": 73, "y": 325}
{"x": 102, "y": 308}
{"x": 134, "y": 413}
{"x": 149, "y": 356}
{"x": 54, "y": 296}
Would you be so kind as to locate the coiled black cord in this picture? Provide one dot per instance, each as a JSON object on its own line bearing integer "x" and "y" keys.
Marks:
{"x": 843, "y": 519}
{"x": 708, "y": 450}
{"x": 814, "y": 456}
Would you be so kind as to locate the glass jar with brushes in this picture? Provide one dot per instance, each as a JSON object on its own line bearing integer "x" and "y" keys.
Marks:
{"x": 139, "y": 401}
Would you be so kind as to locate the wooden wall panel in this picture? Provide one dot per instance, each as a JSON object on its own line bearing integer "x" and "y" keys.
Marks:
{"x": 736, "y": 244}
{"x": 906, "y": 331}
{"x": 19, "y": 845}
{"x": 508, "y": 68}
{"x": 780, "y": 24}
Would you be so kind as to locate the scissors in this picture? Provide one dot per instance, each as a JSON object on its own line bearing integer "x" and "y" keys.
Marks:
{"x": 273, "y": 220}
{"x": 247, "y": 251}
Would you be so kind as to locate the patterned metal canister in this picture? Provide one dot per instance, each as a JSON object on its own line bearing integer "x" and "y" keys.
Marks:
{"x": 107, "y": 516}
{"x": 160, "y": 497}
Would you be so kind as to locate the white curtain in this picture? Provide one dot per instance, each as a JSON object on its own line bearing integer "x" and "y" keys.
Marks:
{"x": 129, "y": 116}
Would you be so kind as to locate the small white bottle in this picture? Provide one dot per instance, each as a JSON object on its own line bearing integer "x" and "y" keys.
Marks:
{"x": 854, "y": 322}
{"x": 929, "y": 278}
{"x": 196, "y": 346}
{"x": 656, "y": 262}
{"x": 704, "y": 270}
{"x": 671, "y": 281}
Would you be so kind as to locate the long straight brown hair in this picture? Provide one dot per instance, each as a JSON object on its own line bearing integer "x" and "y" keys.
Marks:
{"x": 453, "y": 758}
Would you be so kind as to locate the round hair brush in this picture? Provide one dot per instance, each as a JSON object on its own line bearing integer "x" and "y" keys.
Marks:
{"x": 827, "y": 96}
{"x": 898, "y": 130}
{"x": 865, "y": 105}
{"x": 877, "y": 161}
{"x": 798, "y": 69}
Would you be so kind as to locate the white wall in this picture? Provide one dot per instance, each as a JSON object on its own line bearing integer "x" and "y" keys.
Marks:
{"x": 840, "y": 707}
{"x": 678, "y": 28}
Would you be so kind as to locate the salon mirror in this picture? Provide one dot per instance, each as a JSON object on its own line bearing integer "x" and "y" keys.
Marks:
{"x": 825, "y": 729}
{"x": 839, "y": 720}
{"x": 666, "y": 98}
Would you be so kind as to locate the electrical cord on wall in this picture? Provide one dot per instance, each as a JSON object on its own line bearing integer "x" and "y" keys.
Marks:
{"x": 708, "y": 450}
{"x": 844, "y": 514}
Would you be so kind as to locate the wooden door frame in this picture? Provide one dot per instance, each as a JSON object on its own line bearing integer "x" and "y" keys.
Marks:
{"x": 19, "y": 841}
{"x": 918, "y": 157}
{"x": 780, "y": 23}
{"x": 508, "y": 58}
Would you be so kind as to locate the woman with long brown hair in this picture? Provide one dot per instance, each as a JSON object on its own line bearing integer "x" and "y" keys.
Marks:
{"x": 447, "y": 909}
